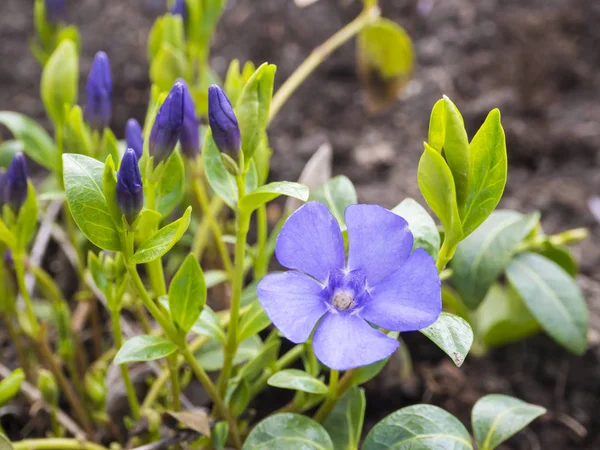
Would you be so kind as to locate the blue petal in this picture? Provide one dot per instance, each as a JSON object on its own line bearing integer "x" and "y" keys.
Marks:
{"x": 379, "y": 241}
{"x": 293, "y": 303}
{"x": 410, "y": 299}
{"x": 311, "y": 241}
{"x": 344, "y": 341}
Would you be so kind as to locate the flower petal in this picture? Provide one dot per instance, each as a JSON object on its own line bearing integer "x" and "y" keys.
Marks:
{"x": 292, "y": 302}
{"x": 379, "y": 241}
{"x": 311, "y": 241}
{"x": 345, "y": 341}
{"x": 410, "y": 299}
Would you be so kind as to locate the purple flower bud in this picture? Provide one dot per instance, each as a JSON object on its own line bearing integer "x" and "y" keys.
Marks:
{"x": 130, "y": 193}
{"x": 55, "y": 11}
{"x": 222, "y": 120}
{"x": 15, "y": 188}
{"x": 134, "y": 137}
{"x": 190, "y": 133}
{"x": 2, "y": 187}
{"x": 8, "y": 258}
{"x": 98, "y": 92}
{"x": 168, "y": 124}
{"x": 180, "y": 8}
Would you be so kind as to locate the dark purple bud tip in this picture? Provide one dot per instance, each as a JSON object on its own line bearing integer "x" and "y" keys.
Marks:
{"x": 98, "y": 91}
{"x": 134, "y": 137}
{"x": 55, "y": 11}
{"x": 223, "y": 122}
{"x": 15, "y": 188}
{"x": 2, "y": 188}
{"x": 180, "y": 8}
{"x": 130, "y": 193}
{"x": 168, "y": 124}
{"x": 190, "y": 133}
{"x": 8, "y": 258}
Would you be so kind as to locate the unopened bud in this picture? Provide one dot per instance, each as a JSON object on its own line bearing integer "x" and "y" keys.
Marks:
{"x": 223, "y": 122}
{"x": 168, "y": 124}
{"x": 98, "y": 92}
{"x": 130, "y": 193}
{"x": 16, "y": 183}
{"x": 134, "y": 137}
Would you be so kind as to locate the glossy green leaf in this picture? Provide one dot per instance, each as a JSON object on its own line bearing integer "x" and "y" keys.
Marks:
{"x": 453, "y": 335}
{"x": 496, "y": 418}
{"x": 144, "y": 348}
{"x": 27, "y": 219}
{"x": 60, "y": 80}
{"x": 78, "y": 138}
{"x": 187, "y": 293}
{"x": 172, "y": 185}
{"x": 253, "y": 106}
{"x": 239, "y": 397}
{"x": 288, "y": 431}
{"x": 234, "y": 81}
{"x": 268, "y": 192}
{"x": 553, "y": 298}
{"x": 253, "y": 321}
{"x": 11, "y": 385}
{"x": 163, "y": 240}
{"x": 219, "y": 434}
{"x": 487, "y": 172}
{"x": 481, "y": 257}
{"x": 83, "y": 178}
{"x": 109, "y": 146}
{"x": 437, "y": 186}
{"x": 109, "y": 185}
{"x": 210, "y": 356}
{"x": 297, "y": 380}
{"x": 421, "y": 225}
{"x": 337, "y": 194}
{"x": 37, "y": 144}
{"x": 419, "y": 427}
{"x": 266, "y": 357}
{"x": 561, "y": 255}
{"x": 168, "y": 65}
{"x": 208, "y": 325}
{"x": 456, "y": 150}
{"x": 344, "y": 424}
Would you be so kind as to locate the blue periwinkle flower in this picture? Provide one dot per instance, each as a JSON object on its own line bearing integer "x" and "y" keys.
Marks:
{"x": 180, "y": 8}
{"x": 190, "y": 133}
{"x": 223, "y": 122}
{"x": 134, "y": 137}
{"x": 98, "y": 91}
{"x": 55, "y": 11}
{"x": 168, "y": 124}
{"x": 16, "y": 183}
{"x": 382, "y": 283}
{"x": 130, "y": 192}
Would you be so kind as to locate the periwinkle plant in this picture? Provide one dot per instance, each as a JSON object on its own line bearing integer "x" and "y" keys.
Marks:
{"x": 358, "y": 274}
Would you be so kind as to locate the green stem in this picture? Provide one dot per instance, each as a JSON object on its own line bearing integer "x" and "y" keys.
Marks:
{"x": 320, "y": 54}
{"x": 202, "y": 235}
{"x": 20, "y": 272}
{"x": 286, "y": 360}
{"x": 58, "y": 137}
{"x": 54, "y": 423}
{"x": 262, "y": 264}
{"x": 445, "y": 255}
{"x": 155, "y": 267}
{"x": 213, "y": 393}
{"x": 331, "y": 399}
{"x": 175, "y": 387}
{"x": 55, "y": 444}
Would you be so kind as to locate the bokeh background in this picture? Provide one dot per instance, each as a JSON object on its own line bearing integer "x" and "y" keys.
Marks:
{"x": 538, "y": 61}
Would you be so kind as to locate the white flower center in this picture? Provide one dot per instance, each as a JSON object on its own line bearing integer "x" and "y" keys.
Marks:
{"x": 343, "y": 301}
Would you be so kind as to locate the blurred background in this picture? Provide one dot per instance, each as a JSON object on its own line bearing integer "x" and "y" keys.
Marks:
{"x": 535, "y": 60}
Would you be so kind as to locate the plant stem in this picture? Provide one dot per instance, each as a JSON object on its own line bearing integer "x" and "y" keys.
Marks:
{"x": 445, "y": 255}
{"x": 331, "y": 399}
{"x": 286, "y": 360}
{"x": 319, "y": 55}
{"x": 262, "y": 264}
{"x": 58, "y": 137}
{"x": 175, "y": 388}
{"x": 155, "y": 268}
{"x": 201, "y": 237}
{"x": 202, "y": 197}
{"x": 20, "y": 273}
{"x": 56, "y": 444}
{"x": 213, "y": 394}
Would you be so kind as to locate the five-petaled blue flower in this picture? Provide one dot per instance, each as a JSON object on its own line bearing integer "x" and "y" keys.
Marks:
{"x": 381, "y": 283}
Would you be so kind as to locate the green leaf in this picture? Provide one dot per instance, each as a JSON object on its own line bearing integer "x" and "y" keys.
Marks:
{"x": 366, "y": 373}
{"x": 85, "y": 196}
{"x": 421, "y": 224}
{"x": 487, "y": 172}
{"x": 337, "y": 194}
{"x": 218, "y": 437}
{"x": 27, "y": 219}
{"x": 453, "y": 335}
{"x": 109, "y": 146}
{"x": 456, "y": 149}
{"x": 553, "y": 298}
{"x": 60, "y": 79}
{"x": 172, "y": 184}
{"x": 97, "y": 271}
{"x": 5, "y": 443}
{"x": 215, "y": 277}
{"x": 385, "y": 60}
{"x": 109, "y": 185}
{"x": 37, "y": 144}
{"x": 187, "y": 293}
{"x": 437, "y": 186}
{"x": 418, "y": 427}
{"x": 266, "y": 357}
{"x": 163, "y": 240}
{"x": 496, "y": 418}
{"x": 145, "y": 348}
{"x": 268, "y": 192}
{"x": 297, "y": 380}
{"x": 253, "y": 106}
{"x": 168, "y": 65}
{"x": 8, "y": 150}
{"x": 344, "y": 424}
{"x": 210, "y": 356}
{"x": 481, "y": 257}
{"x": 78, "y": 138}
{"x": 253, "y": 321}
{"x": 11, "y": 385}
{"x": 288, "y": 431}
{"x": 561, "y": 255}
{"x": 208, "y": 325}
{"x": 239, "y": 398}
{"x": 6, "y": 235}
